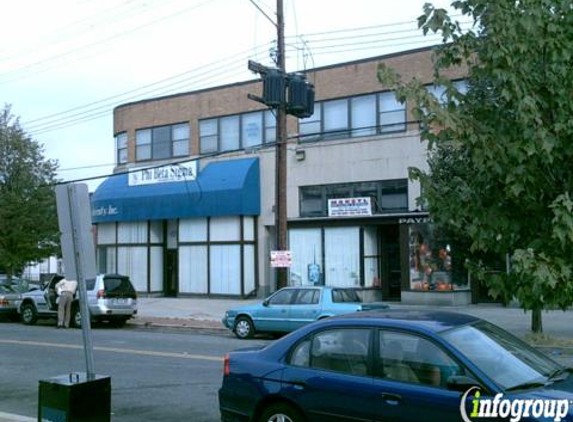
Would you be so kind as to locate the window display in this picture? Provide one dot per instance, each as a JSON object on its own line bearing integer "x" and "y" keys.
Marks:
{"x": 431, "y": 261}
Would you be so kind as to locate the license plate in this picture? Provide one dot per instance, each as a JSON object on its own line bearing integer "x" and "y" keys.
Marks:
{"x": 121, "y": 301}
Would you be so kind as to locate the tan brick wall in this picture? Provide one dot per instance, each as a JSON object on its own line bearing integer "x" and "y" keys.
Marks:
{"x": 332, "y": 82}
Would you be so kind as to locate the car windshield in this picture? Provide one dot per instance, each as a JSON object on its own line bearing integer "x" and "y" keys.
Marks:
{"x": 345, "y": 296}
{"x": 506, "y": 360}
{"x": 6, "y": 289}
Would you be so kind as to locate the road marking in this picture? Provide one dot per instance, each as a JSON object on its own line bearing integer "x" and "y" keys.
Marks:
{"x": 115, "y": 350}
{"x": 9, "y": 417}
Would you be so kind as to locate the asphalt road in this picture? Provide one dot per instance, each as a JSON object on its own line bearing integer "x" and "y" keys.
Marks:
{"x": 155, "y": 376}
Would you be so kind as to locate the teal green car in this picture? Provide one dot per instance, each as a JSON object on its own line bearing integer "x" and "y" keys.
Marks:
{"x": 293, "y": 307}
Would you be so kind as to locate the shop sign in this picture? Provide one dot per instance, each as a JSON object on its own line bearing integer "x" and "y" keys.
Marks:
{"x": 414, "y": 220}
{"x": 349, "y": 207}
{"x": 281, "y": 259}
{"x": 164, "y": 174}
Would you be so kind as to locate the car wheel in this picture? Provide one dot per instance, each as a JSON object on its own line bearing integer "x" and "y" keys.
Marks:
{"x": 281, "y": 412}
{"x": 76, "y": 317}
{"x": 244, "y": 328}
{"x": 29, "y": 314}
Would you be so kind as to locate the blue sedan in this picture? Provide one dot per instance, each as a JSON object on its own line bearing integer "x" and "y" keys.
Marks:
{"x": 292, "y": 307}
{"x": 394, "y": 366}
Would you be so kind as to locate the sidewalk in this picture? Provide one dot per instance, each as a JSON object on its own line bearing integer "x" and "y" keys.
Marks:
{"x": 207, "y": 313}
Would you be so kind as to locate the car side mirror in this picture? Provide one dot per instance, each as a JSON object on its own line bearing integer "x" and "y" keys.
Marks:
{"x": 461, "y": 383}
{"x": 265, "y": 303}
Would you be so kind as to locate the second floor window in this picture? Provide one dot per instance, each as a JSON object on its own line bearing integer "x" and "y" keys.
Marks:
{"x": 121, "y": 148}
{"x": 363, "y": 115}
{"x": 236, "y": 132}
{"x": 162, "y": 142}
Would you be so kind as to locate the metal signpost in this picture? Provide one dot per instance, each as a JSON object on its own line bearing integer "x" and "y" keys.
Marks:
{"x": 78, "y": 251}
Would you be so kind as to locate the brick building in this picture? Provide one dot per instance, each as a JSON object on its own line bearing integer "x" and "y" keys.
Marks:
{"x": 207, "y": 226}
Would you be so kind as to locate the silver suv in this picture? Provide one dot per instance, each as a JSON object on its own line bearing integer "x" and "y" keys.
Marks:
{"x": 111, "y": 297}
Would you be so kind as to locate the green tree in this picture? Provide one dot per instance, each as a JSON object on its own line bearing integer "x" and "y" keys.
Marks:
{"x": 502, "y": 164}
{"x": 28, "y": 218}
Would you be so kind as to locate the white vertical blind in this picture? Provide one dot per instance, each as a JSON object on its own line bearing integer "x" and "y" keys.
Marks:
{"x": 135, "y": 232}
{"x": 156, "y": 268}
{"x": 225, "y": 229}
{"x": 193, "y": 269}
{"x": 249, "y": 268}
{"x": 132, "y": 261}
{"x": 363, "y": 114}
{"x": 249, "y": 228}
{"x": 342, "y": 256}
{"x": 225, "y": 269}
{"x": 335, "y": 115}
{"x": 106, "y": 233}
{"x": 306, "y": 249}
{"x": 193, "y": 230}
{"x": 156, "y": 231}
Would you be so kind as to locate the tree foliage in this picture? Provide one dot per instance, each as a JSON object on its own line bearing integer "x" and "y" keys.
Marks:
{"x": 28, "y": 218}
{"x": 501, "y": 167}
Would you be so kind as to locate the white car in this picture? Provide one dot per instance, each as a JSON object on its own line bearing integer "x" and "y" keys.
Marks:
{"x": 111, "y": 297}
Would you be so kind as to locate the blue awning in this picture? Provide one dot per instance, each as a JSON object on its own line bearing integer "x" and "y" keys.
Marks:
{"x": 222, "y": 188}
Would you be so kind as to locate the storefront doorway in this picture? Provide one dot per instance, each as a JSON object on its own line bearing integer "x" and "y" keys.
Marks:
{"x": 350, "y": 255}
{"x": 171, "y": 279}
{"x": 390, "y": 269}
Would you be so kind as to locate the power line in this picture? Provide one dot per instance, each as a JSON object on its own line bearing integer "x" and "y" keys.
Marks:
{"x": 209, "y": 78}
{"x": 97, "y": 43}
{"x": 90, "y": 112}
{"x": 109, "y": 15}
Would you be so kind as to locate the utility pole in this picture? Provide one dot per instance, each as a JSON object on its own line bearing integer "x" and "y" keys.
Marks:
{"x": 281, "y": 156}
{"x": 300, "y": 103}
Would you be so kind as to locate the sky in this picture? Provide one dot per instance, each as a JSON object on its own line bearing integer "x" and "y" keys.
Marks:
{"x": 65, "y": 64}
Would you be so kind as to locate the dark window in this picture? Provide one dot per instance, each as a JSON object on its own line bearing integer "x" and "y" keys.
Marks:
{"x": 301, "y": 354}
{"x": 118, "y": 287}
{"x": 161, "y": 139}
{"x": 307, "y": 297}
{"x": 311, "y": 202}
{"x": 394, "y": 196}
{"x": 162, "y": 142}
{"x": 338, "y": 191}
{"x": 410, "y": 358}
{"x": 345, "y": 296}
{"x": 283, "y": 297}
{"x": 341, "y": 350}
{"x": 121, "y": 146}
{"x": 386, "y": 196}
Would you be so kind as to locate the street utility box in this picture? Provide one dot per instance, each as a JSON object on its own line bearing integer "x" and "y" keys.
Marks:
{"x": 75, "y": 398}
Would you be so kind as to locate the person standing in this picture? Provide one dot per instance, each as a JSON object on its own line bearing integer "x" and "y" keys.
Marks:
{"x": 67, "y": 290}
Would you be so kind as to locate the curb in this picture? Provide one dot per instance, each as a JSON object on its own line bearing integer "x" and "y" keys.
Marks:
{"x": 9, "y": 417}
{"x": 173, "y": 323}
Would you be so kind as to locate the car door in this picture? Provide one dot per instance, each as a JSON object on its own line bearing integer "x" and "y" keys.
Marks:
{"x": 273, "y": 316}
{"x": 410, "y": 379}
{"x": 327, "y": 375}
{"x": 305, "y": 308}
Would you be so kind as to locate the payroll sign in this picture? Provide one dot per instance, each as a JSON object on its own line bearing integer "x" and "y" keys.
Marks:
{"x": 514, "y": 409}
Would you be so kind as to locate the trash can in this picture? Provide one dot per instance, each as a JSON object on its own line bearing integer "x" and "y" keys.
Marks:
{"x": 75, "y": 398}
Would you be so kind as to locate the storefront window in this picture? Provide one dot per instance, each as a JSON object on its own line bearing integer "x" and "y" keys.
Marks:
{"x": 132, "y": 261}
{"x": 193, "y": 269}
{"x": 306, "y": 248}
{"x": 225, "y": 269}
{"x": 431, "y": 261}
{"x": 371, "y": 257}
{"x": 342, "y": 256}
